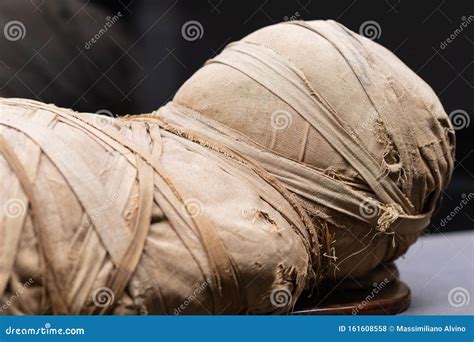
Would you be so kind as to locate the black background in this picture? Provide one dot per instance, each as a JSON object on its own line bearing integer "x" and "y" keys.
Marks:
{"x": 139, "y": 64}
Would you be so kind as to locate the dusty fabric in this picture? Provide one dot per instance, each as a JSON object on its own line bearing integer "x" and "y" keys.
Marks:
{"x": 135, "y": 215}
{"x": 300, "y": 155}
{"x": 342, "y": 123}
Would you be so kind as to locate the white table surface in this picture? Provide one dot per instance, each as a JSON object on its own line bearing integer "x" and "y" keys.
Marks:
{"x": 439, "y": 269}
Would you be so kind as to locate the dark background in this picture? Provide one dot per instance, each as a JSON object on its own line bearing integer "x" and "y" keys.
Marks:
{"x": 140, "y": 62}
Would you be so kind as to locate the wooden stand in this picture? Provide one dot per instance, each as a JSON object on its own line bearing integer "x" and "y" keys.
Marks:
{"x": 390, "y": 300}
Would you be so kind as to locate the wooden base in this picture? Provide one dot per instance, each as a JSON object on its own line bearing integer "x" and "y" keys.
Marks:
{"x": 388, "y": 300}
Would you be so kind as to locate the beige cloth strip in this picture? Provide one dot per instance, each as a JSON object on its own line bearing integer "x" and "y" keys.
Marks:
{"x": 11, "y": 228}
{"x": 168, "y": 118}
{"x": 125, "y": 246}
{"x": 110, "y": 224}
{"x": 387, "y": 104}
{"x": 224, "y": 271}
{"x": 123, "y": 273}
{"x": 290, "y": 85}
{"x": 301, "y": 179}
{"x": 409, "y": 135}
{"x": 56, "y": 295}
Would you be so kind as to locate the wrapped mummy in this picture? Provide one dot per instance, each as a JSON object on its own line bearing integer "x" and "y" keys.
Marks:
{"x": 343, "y": 124}
{"x": 136, "y": 216}
{"x": 301, "y": 154}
